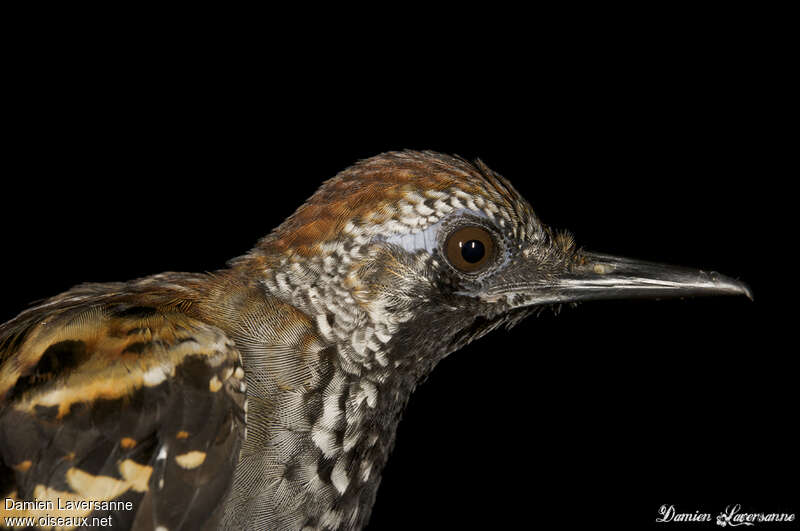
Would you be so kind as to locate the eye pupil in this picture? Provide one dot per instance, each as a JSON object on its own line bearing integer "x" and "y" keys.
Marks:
{"x": 472, "y": 251}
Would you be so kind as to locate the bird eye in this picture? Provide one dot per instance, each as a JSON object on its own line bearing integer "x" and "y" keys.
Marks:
{"x": 469, "y": 249}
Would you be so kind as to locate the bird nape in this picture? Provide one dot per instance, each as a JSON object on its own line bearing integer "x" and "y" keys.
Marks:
{"x": 267, "y": 395}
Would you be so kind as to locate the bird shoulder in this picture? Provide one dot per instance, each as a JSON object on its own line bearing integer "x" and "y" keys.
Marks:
{"x": 117, "y": 393}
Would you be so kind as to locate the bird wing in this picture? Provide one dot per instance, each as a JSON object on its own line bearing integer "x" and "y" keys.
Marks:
{"x": 107, "y": 399}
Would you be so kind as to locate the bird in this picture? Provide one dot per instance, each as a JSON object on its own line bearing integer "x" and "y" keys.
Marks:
{"x": 267, "y": 394}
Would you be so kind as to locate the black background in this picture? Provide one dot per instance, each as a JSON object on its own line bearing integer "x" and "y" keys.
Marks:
{"x": 657, "y": 142}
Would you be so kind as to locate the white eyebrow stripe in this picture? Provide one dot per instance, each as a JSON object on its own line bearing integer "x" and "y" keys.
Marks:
{"x": 427, "y": 238}
{"x": 414, "y": 242}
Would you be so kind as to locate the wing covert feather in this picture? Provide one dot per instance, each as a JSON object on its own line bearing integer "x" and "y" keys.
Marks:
{"x": 110, "y": 398}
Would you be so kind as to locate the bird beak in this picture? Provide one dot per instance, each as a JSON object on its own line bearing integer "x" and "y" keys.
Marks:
{"x": 599, "y": 276}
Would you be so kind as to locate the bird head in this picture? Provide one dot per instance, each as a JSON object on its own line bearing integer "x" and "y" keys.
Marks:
{"x": 436, "y": 251}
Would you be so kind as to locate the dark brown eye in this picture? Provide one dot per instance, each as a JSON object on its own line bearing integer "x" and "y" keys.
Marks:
{"x": 469, "y": 249}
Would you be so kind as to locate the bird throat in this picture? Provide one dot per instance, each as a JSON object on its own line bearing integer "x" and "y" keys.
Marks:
{"x": 328, "y": 378}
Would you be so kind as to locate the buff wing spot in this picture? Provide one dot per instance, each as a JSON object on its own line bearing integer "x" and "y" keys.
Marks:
{"x": 190, "y": 460}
